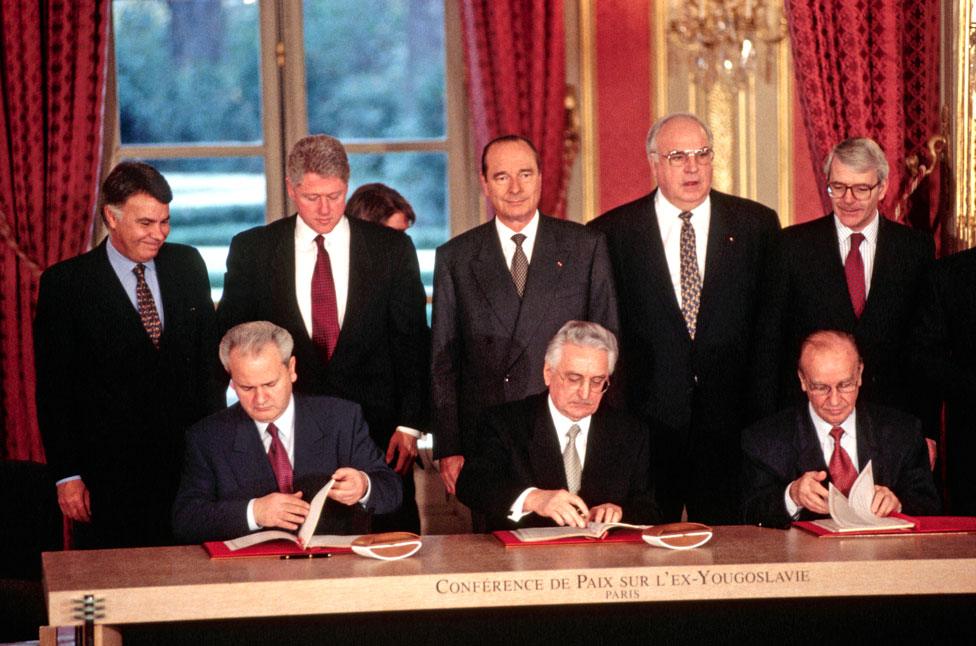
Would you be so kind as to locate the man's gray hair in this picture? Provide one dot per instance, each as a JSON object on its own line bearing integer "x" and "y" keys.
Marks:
{"x": 651, "y": 145}
{"x": 250, "y": 338}
{"x": 584, "y": 334}
{"x": 861, "y": 154}
{"x": 319, "y": 154}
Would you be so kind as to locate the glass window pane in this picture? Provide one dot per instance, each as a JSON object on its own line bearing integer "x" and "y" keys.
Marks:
{"x": 375, "y": 68}
{"x": 422, "y": 179}
{"x": 214, "y": 199}
{"x": 188, "y": 71}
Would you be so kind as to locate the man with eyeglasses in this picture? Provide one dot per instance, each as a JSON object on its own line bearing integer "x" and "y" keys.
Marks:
{"x": 559, "y": 457}
{"x": 688, "y": 262}
{"x": 791, "y": 456}
{"x": 851, "y": 270}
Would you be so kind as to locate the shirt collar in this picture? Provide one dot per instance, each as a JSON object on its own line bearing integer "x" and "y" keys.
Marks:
{"x": 305, "y": 235}
{"x": 823, "y": 427}
{"x": 123, "y": 264}
{"x": 563, "y": 423}
{"x": 665, "y": 209}
{"x": 870, "y": 231}
{"x": 529, "y": 230}
{"x": 285, "y": 422}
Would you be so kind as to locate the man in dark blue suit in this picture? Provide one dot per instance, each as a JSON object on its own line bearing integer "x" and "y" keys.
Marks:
{"x": 245, "y": 465}
{"x": 124, "y": 342}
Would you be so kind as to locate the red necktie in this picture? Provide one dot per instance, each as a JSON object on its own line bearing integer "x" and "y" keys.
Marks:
{"x": 280, "y": 463}
{"x": 854, "y": 270}
{"x": 842, "y": 471}
{"x": 325, "y": 314}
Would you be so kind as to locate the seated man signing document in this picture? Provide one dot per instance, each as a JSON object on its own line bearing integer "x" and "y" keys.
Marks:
{"x": 559, "y": 457}
{"x": 245, "y": 465}
{"x": 792, "y": 456}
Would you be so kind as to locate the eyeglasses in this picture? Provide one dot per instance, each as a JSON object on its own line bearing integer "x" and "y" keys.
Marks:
{"x": 823, "y": 390}
{"x": 597, "y": 384}
{"x": 860, "y": 191}
{"x": 678, "y": 157}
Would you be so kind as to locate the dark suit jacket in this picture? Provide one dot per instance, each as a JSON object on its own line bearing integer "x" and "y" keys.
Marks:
{"x": 381, "y": 359}
{"x": 810, "y": 293}
{"x": 781, "y": 448}
{"x": 517, "y": 448}
{"x": 111, "y": 407}
{"x": 944, "y": 355}
{"x": 693, "y": 394}
{"x": 226, "y": 465}
{"x": 489, "y": 346}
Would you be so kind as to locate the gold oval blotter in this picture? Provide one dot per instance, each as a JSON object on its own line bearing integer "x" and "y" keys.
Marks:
{"x": 387, "y": 546}
{"x": 677, "y": 536}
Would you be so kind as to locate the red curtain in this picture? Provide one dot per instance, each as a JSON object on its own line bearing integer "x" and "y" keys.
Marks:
{"x": 868, "y": 69}
{"x": 514, "y": 53}
{"x": 52, "y": 85}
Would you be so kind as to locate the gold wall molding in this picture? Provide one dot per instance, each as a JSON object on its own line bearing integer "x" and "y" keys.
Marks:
{"x": 959, "y": 22}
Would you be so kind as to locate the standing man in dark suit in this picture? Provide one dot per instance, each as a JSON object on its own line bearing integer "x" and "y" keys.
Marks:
{"x": 246, "y": 466}
{"x": 944, "y": 355}
{"x": 349, "y": 292}
{"x": 539, "y": 460}
{"x": 872, "y": 289}
{"x": 791, "y": 456}
{"x": 124, "y": 341}
{"x": 688, "y": 262}
{"x": 501, "y": 291}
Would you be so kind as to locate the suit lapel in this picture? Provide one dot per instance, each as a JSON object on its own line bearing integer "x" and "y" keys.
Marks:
{"x": 109, "y": 296}
{"x": 544, "y": 455}
{"x": 282, "y": 277}
{"x": 660, "y": 288}
{"x": 248, "y": 457}
{"x": 834, "y": 280}
{"x": 885, "y": 260}
{"x": 361, "y": 277}
{"x": 721, "y": 238}
{"x": 867, "y": 445}
{"x": 542, "y": 283}
{"x": 309, "y": 439}
{"x": 172, "y": 293}
{"x": 494, "y": 279}
{"x": 601, "y": 444}
{"x": 808, "y": 448}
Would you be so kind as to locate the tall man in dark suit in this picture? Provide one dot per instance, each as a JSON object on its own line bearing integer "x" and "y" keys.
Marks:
{"x": 501, "y": 290}
{"x": 823, "y": 280}
{"x": 246, "y": 465}
{"x": 349, "y": 292}
{"x": 124, "y": 341}
{"x": 688, "y": 262}
{"x": 539, "y": 460}
{"x": 944, "y": 355}
{"x": 791, "y": 456}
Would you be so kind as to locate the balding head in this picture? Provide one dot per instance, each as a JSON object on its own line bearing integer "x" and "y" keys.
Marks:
{"x": 830, "y": 374}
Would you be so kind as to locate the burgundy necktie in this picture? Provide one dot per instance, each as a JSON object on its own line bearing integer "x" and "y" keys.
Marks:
{"x": 325, "y": 314}
{"x": 280, "y": 463}
{"x": 147, "y": 305}
{"x": 842, "y": 471}
{"x": 854, "y": 270}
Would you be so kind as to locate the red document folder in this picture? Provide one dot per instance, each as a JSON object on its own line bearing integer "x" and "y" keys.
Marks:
{"x": 616, "y": 536}
{"x": 217, "y": 550}
{"x": 923, "y": 525}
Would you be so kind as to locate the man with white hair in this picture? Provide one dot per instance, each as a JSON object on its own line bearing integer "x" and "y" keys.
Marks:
{"x": 559, "y": 457}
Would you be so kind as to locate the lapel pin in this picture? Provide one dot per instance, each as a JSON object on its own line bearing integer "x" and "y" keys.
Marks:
{"x": 731, "y": 238}
{"x": 559, "y": 263}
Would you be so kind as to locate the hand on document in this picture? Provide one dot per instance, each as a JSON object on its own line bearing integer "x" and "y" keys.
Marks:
{"x": 808, "y": 492}
{"x": 285, "y": 510}
{"x": 558, "y": 504}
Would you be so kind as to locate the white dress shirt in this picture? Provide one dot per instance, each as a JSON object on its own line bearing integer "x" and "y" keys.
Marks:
{"x": 307, "y": 252}
{"x": 508, "y": 246}
{"x": 670, "y": 225}
{"x": 562, "y": 424}
{"x": 868, "y": 247}
{"x": 848, "y": 442}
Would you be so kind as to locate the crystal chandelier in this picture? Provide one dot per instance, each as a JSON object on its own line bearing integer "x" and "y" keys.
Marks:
{"x": 722, "y": 37}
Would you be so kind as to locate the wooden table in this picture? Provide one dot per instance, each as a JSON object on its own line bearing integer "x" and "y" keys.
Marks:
{"x": 475, "y": 571}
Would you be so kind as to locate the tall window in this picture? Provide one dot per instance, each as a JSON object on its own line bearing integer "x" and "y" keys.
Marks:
{"x": 214, "y": 93}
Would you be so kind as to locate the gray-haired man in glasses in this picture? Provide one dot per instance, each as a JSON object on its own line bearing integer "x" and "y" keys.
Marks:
{"x": 791, "y": 456}
{"x": 688, "y": 262}
{"x": 850, "y": 270}
{"x": 559, "y": 457}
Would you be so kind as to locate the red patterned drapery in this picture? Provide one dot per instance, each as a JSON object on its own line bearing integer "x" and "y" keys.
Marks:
{"x": 52, "y": 84}
{"x": 514, "y": 54}
{"x": 868, "y": 69}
